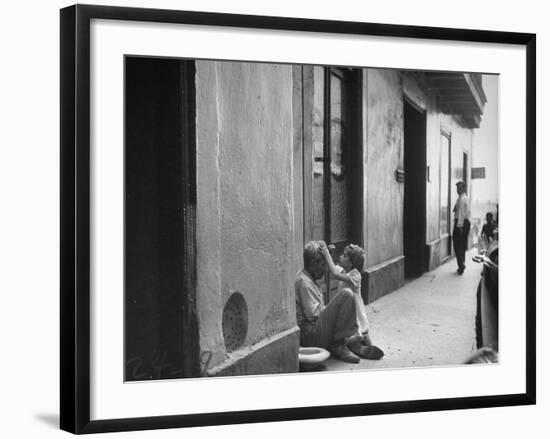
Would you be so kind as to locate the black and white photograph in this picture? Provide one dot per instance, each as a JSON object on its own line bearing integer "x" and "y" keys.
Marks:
{"x": 291, "y": 219}
{"x": 295, "y": 218}
{"x": 274, "y": 219}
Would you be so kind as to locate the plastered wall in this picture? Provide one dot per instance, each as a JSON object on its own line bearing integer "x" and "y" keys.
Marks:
{"x": 383, "y": 153}
{"x": 245, "y": 229}
{"x": 385, "y": 91}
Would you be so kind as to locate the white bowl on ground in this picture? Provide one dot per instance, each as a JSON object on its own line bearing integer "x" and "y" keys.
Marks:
{"x": 312, "y": 357}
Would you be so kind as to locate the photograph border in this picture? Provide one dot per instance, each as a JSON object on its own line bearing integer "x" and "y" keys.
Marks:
{"x": 75, "y": 217}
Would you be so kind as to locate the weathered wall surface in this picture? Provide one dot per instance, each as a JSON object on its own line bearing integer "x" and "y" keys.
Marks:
{"x": 433, "y": 160}
{"x": 245, "y": 194}
{"x": 383, "y": 123}
{"x": 209, "y": 299}
{"x": 461, "y": 141}
{"x": 298, "y": 165}
{"x": 383, "y": 154}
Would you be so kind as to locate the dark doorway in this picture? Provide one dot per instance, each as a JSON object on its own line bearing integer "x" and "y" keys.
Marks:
{"x": 160, "y": 326}
{"x": 414, "y": 226}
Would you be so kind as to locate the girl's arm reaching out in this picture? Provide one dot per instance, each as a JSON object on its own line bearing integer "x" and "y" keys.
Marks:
{"x": 337, "y": 274}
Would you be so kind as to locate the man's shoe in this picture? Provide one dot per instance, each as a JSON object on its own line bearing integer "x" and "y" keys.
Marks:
{"x": 368, "y": 352}
{"x": 343, "y": 353}
{"x": 352, "y": 339}
{"x": 373, "y": 353}
{"x": 365, "y": 340}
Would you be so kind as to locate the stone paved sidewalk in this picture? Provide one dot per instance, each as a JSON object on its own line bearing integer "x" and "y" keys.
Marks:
{"x": 428, "y": 322}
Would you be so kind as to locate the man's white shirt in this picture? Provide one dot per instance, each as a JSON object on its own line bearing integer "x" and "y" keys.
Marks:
{"x": 462, "y": 210}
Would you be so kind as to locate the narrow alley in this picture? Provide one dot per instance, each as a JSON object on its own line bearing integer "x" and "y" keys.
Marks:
{"x": 428, "y": 322}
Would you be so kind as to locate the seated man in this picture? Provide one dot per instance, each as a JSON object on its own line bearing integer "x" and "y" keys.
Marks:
{"x": 334, "y": 326}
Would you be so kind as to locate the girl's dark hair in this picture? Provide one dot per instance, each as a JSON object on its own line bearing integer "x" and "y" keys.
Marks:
{"x": 356, "y": 255}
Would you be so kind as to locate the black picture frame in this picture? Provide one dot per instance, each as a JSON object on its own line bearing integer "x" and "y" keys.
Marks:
{"x": 75, "y": 217}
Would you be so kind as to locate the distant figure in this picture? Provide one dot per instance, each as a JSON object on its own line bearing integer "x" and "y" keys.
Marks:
{"x": 333, "y": 326}
{"x": 488, "y": 231}
{"x": 461, "y": 228}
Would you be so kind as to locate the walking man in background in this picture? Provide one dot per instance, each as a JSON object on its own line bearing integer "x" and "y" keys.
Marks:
{"x": 461, "y": 228}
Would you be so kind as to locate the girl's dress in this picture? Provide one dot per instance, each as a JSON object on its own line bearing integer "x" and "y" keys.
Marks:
{"x": 355, "y": 286}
